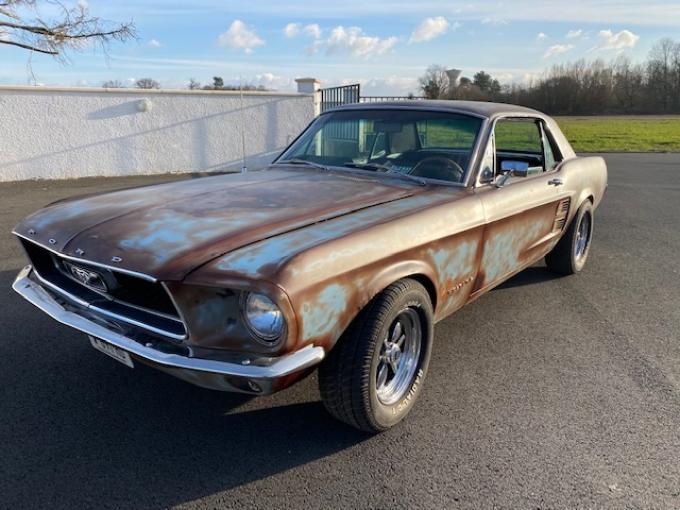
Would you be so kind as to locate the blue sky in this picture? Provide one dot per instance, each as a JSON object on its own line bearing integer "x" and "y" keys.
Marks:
{"x": 385, "y": 45}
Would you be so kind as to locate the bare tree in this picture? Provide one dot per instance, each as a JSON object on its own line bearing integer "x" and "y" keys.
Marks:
{"x": 434, "y": 83}
{"x": 194, "y": 85}
{"x": 147, "y": 83}
{"x": 22, "y": 25}
{"x": 628, "y": 83}
{"x": 660, "y": 70}
{"x": 113, "y": 84}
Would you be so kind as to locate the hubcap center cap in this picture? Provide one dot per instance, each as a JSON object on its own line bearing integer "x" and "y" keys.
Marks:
{"x": 392, "y": 353}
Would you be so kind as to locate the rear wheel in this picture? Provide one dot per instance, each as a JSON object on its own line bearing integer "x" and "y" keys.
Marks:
{"x": 571, "y": 252}
{"x": 374, "y": 374}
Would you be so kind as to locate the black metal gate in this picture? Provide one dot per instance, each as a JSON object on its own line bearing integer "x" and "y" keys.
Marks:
{"x": 337, "y": 96}
{"x": 349, "y": 94}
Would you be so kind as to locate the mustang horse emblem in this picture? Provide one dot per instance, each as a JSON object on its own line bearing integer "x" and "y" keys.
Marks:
{"x": 87, "y": 277}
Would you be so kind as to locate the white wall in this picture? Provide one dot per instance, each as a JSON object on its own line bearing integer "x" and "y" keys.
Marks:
{"x": 57, "y": 133}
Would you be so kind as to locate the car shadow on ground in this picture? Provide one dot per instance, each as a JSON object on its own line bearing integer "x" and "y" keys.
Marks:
{"x": 530, "y": 276}
{"x": 79, "y": 429}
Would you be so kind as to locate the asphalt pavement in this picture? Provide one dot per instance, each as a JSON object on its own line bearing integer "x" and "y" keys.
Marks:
{"x": 545, "y": 393}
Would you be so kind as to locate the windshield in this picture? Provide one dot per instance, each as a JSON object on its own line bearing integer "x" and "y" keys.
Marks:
{"x": 423, "y": 144}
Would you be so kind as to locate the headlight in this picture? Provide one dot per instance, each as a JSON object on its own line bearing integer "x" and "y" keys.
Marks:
{"x": 263, "y": 318}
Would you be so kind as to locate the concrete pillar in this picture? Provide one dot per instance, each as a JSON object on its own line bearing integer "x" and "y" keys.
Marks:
{"x": 310, "y": 86}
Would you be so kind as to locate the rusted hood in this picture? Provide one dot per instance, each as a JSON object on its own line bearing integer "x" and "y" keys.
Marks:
{"x": 170, "y": 229}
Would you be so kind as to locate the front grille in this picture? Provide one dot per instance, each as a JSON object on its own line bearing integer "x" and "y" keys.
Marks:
{"x": 112, "y": 293}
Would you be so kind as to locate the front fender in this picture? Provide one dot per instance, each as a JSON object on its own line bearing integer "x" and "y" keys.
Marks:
{"x": 325, "y": 311}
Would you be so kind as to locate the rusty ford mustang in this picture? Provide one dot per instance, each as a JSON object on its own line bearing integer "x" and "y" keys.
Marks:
{"x": 376, "y": 222}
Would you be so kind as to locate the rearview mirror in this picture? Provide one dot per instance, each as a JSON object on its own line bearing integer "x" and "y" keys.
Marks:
{"x": 381, "y": 126}
{"x": 516, "y": 168}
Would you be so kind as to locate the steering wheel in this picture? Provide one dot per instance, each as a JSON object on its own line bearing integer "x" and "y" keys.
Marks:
{"x": 439, "y": 167}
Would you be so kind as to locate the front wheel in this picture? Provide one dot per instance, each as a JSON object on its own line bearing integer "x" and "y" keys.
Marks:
{"x": 571, "y": 252}
{"x": 374, "y": 374}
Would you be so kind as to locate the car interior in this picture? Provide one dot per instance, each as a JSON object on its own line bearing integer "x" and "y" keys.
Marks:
{"x": 429, "y": 145}
{"x": 525, "y": 140}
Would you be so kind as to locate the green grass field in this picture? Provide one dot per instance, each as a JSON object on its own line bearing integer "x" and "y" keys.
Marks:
{"x": 622, "y": 134}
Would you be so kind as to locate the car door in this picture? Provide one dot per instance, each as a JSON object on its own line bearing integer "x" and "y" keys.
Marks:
{"x": 525, "y": 215}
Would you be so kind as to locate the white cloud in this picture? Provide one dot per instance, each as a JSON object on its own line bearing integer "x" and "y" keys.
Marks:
{"x": 353, "y": 41}
{"x": 616, "y": 41}
{"x": 541, "y": 36}
{"x": 529, "y": 77}
{"x": 291, "y": 30}
{"x": 240, "y": 37}
{"x": 574, "y": 34}
{"x": 389, "y": 86}
{"x": 273, "y": 81}
{"x": 154, "y": 43}
{"x": 313, "y": 30}
{"x": 83, "y": 4}
{"x": 494, "y": 22}
{"x": 557, "y": 49}
{"x": 430, "y": 28}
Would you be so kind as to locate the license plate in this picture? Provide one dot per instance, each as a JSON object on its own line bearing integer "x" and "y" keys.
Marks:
{"x": 111, "y": 350}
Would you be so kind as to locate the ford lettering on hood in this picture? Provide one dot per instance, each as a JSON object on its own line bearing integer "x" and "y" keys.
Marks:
{"x": 168, "y": 230}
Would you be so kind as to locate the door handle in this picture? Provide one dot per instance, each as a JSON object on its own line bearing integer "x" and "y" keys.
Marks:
{"x": 555, "y": 182}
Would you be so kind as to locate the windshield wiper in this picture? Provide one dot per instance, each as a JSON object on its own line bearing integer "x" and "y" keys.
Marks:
{"x": 385, "y": 169}
{"x": 367, "y": 166}
{"x": 298, "y": 161}
{"x": 407, "y": 176}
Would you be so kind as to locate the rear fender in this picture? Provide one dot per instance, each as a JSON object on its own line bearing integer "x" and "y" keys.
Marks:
{"x": 587, "y": 176}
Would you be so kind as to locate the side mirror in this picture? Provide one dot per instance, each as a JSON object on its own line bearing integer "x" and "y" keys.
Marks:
{"x": 510, "y": 168}
{"x": 516, "y": 168}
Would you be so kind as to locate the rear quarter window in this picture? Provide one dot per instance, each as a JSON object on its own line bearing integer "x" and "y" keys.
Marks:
{"x": 457, "y": 133}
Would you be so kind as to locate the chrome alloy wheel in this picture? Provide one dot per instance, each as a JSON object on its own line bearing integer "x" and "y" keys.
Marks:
{"x": 399, "y": 355}
{"x": 582, "y": 237}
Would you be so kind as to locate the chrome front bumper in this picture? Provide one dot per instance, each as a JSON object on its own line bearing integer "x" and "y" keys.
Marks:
{"x": 251, "y": 378}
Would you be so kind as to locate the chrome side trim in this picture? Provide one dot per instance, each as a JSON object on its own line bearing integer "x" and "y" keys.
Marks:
{"x": 543, "y": 240}
{"x": 111, "y": 315}
{"x": 143, "y": 276}
{"x": 281, "y": 367}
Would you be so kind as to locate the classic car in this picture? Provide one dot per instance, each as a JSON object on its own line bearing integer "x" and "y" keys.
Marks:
{"x": 378, "y": 221}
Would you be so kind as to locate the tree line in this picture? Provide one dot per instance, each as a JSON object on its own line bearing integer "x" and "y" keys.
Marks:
{"x": 579, "y": 88}
{"x": 150, "y": 83}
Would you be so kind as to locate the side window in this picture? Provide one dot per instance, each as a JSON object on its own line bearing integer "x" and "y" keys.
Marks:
{"x": 519, "y": 140}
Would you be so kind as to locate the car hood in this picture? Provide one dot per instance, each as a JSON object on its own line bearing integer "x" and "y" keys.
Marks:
{"x": 168, "y": 230}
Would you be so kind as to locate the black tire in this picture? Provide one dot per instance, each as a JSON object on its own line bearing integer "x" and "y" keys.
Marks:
{"x": 348, "y": 377}
{"x": 571, "y": 252}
